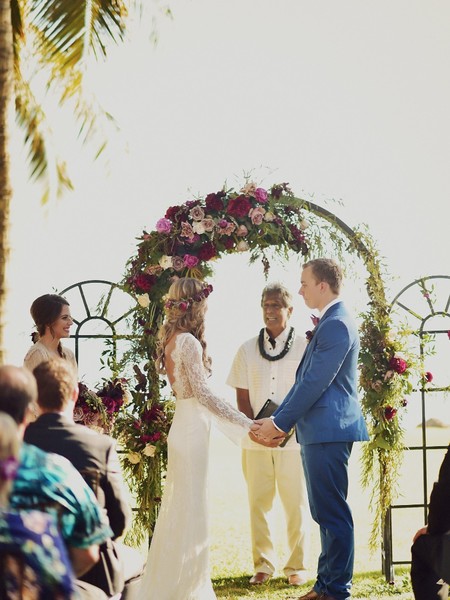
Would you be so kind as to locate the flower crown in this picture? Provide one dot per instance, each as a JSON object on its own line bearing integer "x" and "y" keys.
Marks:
{"x": 185, "y": 303}
{"x": 8, "y": 468}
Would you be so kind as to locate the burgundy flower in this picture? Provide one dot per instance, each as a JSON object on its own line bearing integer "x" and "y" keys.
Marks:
{"x": 176, "y": 214}
{"x": 214, "y": 202}
{"x": 277, "y": 190}
{"x": 143, "y": 282}
{"x": 389, "y": 413}
{"x": 448, "y": 334}
{"x": 228, "y": 242}
{"x": 206, "y": 251}
{"x": 399, "y": 365}
{"x": 239, "y": 207}
{"x": 309, "y": 335}
{"x": 428, "y": 376}
{"x": 405, "y": 402}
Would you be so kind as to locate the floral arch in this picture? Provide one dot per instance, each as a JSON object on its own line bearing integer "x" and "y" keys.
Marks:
{"x": 265, "y": 223}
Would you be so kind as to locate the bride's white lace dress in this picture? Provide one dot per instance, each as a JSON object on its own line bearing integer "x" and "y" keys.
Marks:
{"x": 178, "y": 560}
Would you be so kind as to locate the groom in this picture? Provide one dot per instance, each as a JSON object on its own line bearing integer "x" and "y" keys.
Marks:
{"x": 323, "y": 405}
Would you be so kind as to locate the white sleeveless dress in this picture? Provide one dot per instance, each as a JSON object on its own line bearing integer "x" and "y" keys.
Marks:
{"x": 178, "y": 560}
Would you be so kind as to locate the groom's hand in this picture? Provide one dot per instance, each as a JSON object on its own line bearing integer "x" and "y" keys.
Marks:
{"x": 264, "y": 432}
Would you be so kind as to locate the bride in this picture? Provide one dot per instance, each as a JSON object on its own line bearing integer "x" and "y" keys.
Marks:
{"x": 178, "y": 560}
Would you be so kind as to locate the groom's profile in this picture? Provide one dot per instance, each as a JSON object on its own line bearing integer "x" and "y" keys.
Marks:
{"x": 324, "y": 408}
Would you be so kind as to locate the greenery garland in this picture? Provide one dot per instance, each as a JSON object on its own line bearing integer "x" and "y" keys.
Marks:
{"x": 184, "y": 243}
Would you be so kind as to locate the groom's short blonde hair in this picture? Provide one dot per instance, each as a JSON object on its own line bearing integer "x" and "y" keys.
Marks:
{"x": 328, "y": 270}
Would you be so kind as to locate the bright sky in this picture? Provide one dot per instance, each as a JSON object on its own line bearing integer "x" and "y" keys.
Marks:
{"x": 344, "y": 100}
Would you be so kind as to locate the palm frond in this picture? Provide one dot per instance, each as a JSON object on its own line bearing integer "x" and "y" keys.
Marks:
{"x": 31, "y": 118}
{"x": 70, "y": 30}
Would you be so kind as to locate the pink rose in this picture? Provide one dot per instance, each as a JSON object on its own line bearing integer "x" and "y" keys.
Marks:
{"x": 177, "y": 263}
{"x": 186, "y": 230}
{"x": 197, "y": 213}
{"x": 257, "y": 215}
{"x": 241, "y": 231}
{"x": 208, "y": 224}
{"x": 261, "y": 195}
{"x": 190, "y": 261}
{"x": 163, "y": 226}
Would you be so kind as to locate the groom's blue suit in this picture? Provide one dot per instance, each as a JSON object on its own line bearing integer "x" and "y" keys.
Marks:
{"x": 323, "y": 405}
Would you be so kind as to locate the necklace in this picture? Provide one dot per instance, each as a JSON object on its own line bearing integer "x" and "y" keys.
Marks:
{"x": 287, "y": 346}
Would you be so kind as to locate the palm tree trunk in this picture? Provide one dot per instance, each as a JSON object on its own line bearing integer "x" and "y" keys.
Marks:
{"x": 6, "y": 97}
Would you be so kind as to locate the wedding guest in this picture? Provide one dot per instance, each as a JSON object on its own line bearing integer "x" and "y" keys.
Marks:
{"x": 50, "y": 482}
{"x": 323, "y": 406}
{"x": 29, "y": 538}
{"x": 93, "y": 454}
{"x": 429, "y": 581}
{"x": 51, "y": 315}
{"x": 264, "y": 368}
{"x": 178, "y": 561}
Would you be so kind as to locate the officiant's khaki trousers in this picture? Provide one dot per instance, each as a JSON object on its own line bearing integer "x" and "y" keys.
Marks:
{"x": 265, "y": 472}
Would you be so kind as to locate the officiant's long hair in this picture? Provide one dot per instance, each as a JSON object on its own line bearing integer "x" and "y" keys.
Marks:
{"x": 184, "y": 313}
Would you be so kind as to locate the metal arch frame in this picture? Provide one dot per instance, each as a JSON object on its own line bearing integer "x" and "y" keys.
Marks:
{"x": 388, "y": 562}
{"x": 101, "y": 317}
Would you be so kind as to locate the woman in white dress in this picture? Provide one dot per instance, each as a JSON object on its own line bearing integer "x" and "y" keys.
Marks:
{"x": 178, "y": 560}
{"x": 51, "y": 315}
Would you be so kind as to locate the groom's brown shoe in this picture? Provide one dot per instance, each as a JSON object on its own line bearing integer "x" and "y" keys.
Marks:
{"x": 259, "y": 578}
{"x": 311, "y": 595}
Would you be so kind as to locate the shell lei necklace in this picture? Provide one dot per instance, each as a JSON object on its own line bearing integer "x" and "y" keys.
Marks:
{"x": 287, "y": 346}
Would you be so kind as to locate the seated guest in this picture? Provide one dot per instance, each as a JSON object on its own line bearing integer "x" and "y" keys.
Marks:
{"x": 428, "y": 569}
{"x": 92, "y": 453}
{"x": 32, "y": 552}
{"x": 49, "y": 482}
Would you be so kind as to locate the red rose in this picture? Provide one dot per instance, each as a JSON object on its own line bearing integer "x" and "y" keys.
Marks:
{"x": 239, "y": 207}
{"x": 206, "y": 251}
{"x": 228, "y": 242}
{"x": 389, "y": 413}
{"x": 176, "y": 214}
{"x": 143, "y": 282}
{"x": 214, "y": 202}
{"x": 399, "y": 365}
{"x": 429, "y": 376}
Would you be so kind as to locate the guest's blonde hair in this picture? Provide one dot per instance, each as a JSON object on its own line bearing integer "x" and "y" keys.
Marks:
{"x": 185, "y": 311}
{"x": 9, "y": 451}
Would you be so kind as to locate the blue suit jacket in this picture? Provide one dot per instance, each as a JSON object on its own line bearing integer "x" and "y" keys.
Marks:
{"x": 323, "y": 402}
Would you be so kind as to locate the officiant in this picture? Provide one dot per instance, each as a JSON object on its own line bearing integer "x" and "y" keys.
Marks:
{"x": 264, "y": 369}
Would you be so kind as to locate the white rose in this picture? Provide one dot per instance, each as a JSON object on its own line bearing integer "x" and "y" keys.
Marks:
{"x": 143, "y": 300}
{"x": 304, "y": 224}
{"x": 134, "y": 457}
{"x": 242, "y": 246}
{"x": 198, "y": 227}
{"x": 149, "y": 450}
{"x": 165, "y": 262}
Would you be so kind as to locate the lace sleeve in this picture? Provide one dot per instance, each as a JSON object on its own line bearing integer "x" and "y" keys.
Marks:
{"x": 191, "y": 358}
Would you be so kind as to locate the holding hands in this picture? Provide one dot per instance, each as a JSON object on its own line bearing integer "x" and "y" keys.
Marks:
{"x": 264, "y": 432}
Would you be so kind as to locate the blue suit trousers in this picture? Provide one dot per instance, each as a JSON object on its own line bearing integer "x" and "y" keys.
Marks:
{"x": 326, "y": 473}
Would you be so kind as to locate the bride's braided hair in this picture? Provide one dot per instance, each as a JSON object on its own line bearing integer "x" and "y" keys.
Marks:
{"x": 185, "y": 311}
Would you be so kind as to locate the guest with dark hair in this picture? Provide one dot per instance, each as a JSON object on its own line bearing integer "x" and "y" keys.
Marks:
{"x": 53, "y": 320}
{"x": 430, "y": 574}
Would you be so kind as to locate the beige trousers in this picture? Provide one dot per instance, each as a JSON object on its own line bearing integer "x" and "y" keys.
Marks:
{"x": 265, "y": 472}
